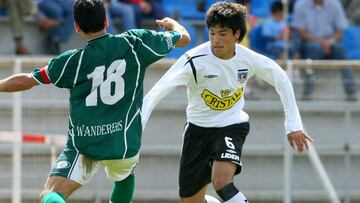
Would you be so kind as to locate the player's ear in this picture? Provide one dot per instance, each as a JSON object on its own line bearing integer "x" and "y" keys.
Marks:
{"x": 237, "y": 35}
{"x": 77, "y": 28}
{"x": 106, "y": 22}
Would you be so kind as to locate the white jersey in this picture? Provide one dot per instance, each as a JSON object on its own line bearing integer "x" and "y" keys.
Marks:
{"x": 215, "y": 87}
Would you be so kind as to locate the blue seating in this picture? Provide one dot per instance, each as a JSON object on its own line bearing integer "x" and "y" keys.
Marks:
{"x": 2, "y": 12}
{"x": 257, "y": 42}
{"x": 208, "y": 3}
{"x": 186, "y": 8}
{"x": 261, "y": 8}
{"x": 351, "y": 40}
{"x": 205, "y": 34}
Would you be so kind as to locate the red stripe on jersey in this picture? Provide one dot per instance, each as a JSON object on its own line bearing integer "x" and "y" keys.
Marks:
{"x": 44, "y": 76}
{"x": 33, "y": 138}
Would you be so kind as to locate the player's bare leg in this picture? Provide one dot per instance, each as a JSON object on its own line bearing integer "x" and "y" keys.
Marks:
{"x": 222, "y": 173}
{"x": 222, "y": 179}
{"x": 198, "y": 197}
{"x": 61, "y": 185}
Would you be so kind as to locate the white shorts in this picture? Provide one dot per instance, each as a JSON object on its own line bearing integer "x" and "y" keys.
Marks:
{"x": 81, "y": 169}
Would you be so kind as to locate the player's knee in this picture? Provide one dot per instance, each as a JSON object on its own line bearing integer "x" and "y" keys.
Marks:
{"x": 65, "y": 187}
{"x": 227, "y": 192}
{"x": 220, "y": 181}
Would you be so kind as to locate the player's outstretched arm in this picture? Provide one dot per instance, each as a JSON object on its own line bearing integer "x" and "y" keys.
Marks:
{"x": 172, "y": 25}
{"x": 18, "y": 82}
{"x": 300, "y": 139}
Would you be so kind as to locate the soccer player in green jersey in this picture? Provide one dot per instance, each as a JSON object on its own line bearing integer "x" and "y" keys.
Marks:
{"x": 105, "y": 79}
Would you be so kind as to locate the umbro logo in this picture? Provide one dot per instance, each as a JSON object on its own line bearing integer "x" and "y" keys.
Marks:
{"x": 210, "y": 76}
{"x": 231, "y": 151}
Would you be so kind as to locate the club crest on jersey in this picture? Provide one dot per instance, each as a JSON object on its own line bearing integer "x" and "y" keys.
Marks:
{"x": 62, "y": 165}
{"x": 242, "y": 75}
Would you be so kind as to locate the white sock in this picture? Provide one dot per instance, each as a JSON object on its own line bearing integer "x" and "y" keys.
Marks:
{"x": 238, "y": 198}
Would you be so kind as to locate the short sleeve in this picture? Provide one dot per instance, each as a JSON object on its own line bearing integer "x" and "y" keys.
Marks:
{"x": 159, "y": 42}
{"x": 153, "y": 45}
{"x": 41, "y": 75}
{"x": 58, "y": 71}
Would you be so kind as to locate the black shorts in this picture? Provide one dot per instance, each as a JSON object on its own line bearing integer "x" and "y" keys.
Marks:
{"x": 204, "y": 145}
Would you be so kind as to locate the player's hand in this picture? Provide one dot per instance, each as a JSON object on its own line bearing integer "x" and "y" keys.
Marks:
{"x": 300, "y": 139}
{"x": 167, "y": 23}
{"x": 172, "y": 25}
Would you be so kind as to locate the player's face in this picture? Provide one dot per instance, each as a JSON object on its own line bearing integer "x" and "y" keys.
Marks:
{"x": 223, "y": 41}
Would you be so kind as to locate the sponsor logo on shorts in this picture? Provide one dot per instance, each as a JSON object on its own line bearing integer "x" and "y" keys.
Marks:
{"x": 231, "y": 151}
{"x": 230, "y": 156}
{"x": 62, "y": 165}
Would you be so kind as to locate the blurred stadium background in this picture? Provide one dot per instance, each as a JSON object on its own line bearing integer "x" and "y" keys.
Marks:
{"x": 330, "y": 119}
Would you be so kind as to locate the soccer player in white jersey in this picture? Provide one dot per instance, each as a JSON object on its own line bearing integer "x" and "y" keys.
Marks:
{"x": 105, "y": 81}
{"x": 215, "y": 74}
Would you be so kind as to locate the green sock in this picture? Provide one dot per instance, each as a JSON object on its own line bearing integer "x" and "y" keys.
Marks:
{"x": 53, "y": 197}
{"x": 123, "y": 190}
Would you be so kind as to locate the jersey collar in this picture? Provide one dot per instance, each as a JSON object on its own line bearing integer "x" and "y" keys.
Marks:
{"x": 98, "y": 37}
{"x": 219, "y": 59}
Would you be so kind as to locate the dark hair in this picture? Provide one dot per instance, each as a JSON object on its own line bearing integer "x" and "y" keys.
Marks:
{"x": 89, "y": 15}
{"x": 229, "y": 15}
{"x": 276, "y": 7}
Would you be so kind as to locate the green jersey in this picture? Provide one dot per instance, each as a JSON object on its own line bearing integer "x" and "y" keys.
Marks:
{"x": 105, "y": 79}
